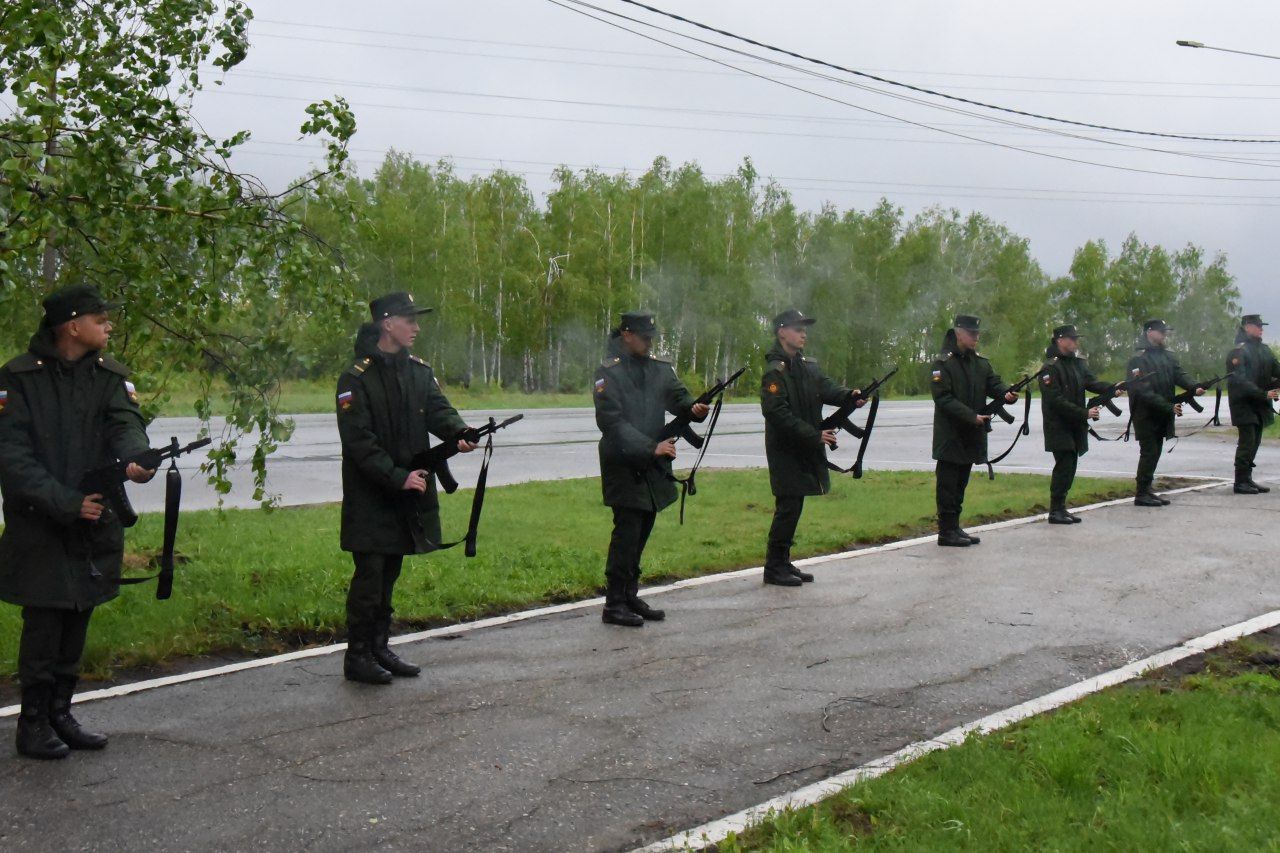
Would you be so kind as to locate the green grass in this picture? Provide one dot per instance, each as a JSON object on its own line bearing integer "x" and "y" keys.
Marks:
{"x": 1179, "y": 762}
{"x": 259, "y": 581}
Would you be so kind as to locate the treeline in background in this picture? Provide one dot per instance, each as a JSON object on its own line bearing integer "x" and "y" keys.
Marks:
{"x": 525, "y": 293}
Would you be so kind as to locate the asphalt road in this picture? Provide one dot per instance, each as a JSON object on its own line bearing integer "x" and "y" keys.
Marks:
{"x": 552, "y": 444}
{"x": 560, "y": 733}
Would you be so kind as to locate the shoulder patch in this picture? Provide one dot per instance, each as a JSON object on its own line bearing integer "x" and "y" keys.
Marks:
{"x": 26, "y": 363}
{"x": 108, "y": 363}
{"x": 4, "y": 400}
{"x": 1046, "y": 378}
{"x": 345, "y": 400}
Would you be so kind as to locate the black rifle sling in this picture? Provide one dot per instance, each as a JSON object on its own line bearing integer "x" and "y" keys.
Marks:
{"x": 172, "y": 505}
{"x": 856, "y": 467}
{"x": 688, "y": 486}
{"x": 1025, "y": 429}
{"x": 477, "y": 503}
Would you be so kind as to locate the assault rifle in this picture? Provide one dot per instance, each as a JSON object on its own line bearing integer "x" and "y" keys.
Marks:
{"x": 679, "y": 427}
{"x": 436, "y": 459}
{"x": 1189, "y": 397}
{"x": 839, "y": 419}
{"x": 1106, "y": 400}
{"x": 997, "y": 406}
{"x": 109, "y": 480}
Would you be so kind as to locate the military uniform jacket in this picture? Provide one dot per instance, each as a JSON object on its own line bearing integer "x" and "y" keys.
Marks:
{"x": 792, "y": 393}
{"x": 1252, "y": 368}
{"x": 1154, "y": 376}
{"x": 633, "y": 397}
{"x": 1063, "y": 381}
{"x": 380, "y": 436}
{"x": 961, "y": 385}
{"x": 58, "y": 421}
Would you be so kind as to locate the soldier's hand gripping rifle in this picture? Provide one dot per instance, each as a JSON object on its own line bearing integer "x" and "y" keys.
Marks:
{"x": 436, "y": 459}
{"x": 109, "y": 481}
{"x": 839, "y": 419}
{"x": 680, "y": 426}
{"x": 1189, "y": 397}
{"x": 997, "y": 406}
{"x": 1106, "y": 400}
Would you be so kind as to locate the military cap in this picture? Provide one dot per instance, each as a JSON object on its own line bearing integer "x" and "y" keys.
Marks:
{"x": 76, "y": 300}
{"x": 398, "y": 304}
{"x": 968, "y": 322}
{"x": 1067, "y": 331}
{"x": 1252, "y": 320}
{"x": 792, "y": 317}
{"x": 1156, "y": 326}
{"x": 638, "y": 323}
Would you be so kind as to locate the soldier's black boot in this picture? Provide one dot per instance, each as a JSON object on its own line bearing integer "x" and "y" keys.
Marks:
{"x": 639, "y": 606}
{"x": 616, "y": 609}
{"x": 1244, "y": 486}
{"x": 36, "y": 738}
{"x": 973, "y": 540}
{"x": 389, "y": 660}
{"x": 359, "y": 664}
{"x": 66, "y": 726}
{"x": 805, "y": 577}
{"x": 1147, "y": 498}
{"x": 949, "y": 534}
{"x": 776, "y": 570}
{"x": 1261, "y": 488}
{"x": 1058, "y": 513}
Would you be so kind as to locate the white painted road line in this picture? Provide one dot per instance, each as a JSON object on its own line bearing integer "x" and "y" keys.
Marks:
{"x": 450, "y": 630}
{"x": 716, "y": 831}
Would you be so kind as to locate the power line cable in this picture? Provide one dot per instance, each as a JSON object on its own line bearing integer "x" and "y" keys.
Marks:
{"x": 575, "y": 3}
{"x": 923, "y": 90}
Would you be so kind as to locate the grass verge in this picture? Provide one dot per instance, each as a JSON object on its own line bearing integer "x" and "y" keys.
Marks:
{"x": 258, "y": 582}
{"x": 1181, "y": 760}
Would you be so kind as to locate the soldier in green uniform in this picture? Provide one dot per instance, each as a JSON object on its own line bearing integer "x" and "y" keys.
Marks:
{"x": 1153, "y": 378}
{"x": 961, "y": 382}
{"x": 792, "y": 393}
{"x": 633, "y": 392}
{"x": 65, "y": 408}
{"x": 388, "y": 403}
{"x": 1253, "y": 375}
{"x": 1064, "y": 379}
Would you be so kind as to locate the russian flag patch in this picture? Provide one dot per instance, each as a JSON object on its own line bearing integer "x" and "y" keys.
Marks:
{"x": 131, "y": 390}
{"x": 4, "y": 399}
{"x": 599, "y": 386}
{"x": 345, "y": 399}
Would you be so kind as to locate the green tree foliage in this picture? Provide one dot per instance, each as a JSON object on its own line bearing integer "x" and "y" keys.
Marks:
{"x": 106, "y": 177}
{"x": 526, "y": 293}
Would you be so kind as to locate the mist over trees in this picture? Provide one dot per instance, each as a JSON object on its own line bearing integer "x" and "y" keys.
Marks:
{"x": 525, "y": 291}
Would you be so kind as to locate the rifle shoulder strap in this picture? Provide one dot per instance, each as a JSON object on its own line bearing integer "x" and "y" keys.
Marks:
{"x": 688, "y": 485}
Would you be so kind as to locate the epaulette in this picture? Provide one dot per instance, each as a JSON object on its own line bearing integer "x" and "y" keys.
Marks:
{"x": 418, "y": 360}
{"x": 660, "y": 359}
{"x": 944, "y": 356}
{"x": 779, "y": 366}
{"x": 612, "y": 360}
{"x": 26, "y": 363}
{"x": 361, "y": 365}
{"x": 109, "y": 363}
{"x": 808, "y": 360}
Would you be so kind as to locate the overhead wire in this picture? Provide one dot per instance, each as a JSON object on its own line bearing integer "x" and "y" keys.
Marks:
{"x": 571, "y": 6}
{"x": 910, "y": 99}
{"x": 921, "y": 89}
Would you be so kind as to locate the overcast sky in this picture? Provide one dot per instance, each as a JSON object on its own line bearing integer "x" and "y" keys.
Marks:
{"x": 485, "y": 83}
